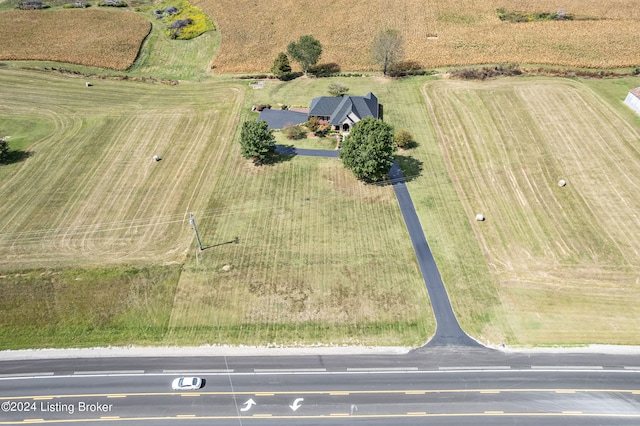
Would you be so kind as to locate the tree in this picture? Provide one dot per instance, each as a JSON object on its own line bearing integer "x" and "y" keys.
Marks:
{"x": 386, "y": 49}
{"x": 4, "y": 149}
{"x": 258, "y": 142}
{"x": 337, "y": 89}
{"x": 306, "y": 51}
{"x": 281, "y": 65}
{"x": 368, "y": 149}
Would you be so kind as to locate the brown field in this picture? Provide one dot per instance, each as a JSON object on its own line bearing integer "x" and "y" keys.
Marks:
{"x": 99, "y": 38}
{"x": 467, "y": 32}
{"x": 565, "y": 260}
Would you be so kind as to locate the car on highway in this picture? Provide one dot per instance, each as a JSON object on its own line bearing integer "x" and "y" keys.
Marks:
{"x": 187, "y": 383}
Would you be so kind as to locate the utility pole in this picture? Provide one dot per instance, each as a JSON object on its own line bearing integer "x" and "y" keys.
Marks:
{"x": 192, "y": 221}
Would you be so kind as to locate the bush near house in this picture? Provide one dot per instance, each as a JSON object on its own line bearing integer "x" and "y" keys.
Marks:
{"x": 294, "y": 132}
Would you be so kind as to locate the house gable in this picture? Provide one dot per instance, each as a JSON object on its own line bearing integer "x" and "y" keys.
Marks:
{"x": 633, "y": 99}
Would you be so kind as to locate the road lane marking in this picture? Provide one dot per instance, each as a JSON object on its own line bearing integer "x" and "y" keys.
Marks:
{"x": 38, "y": 398}
{"x": 289, "y": 370}
{"x": 106, "y": 373}
{"x": 185, "y": 415}
{"x": 117, "y": 396}
{"x": 417, "y": 413}
{"x": 222, "y": 371}
{"x": 490, "y": 391}
{"x": 565, "y": 391}
{"x": 480, "y": 368}
{"x": 494, "y": 412}
{"x": 383, "y": 369}
{"x": 30, "y": 376}
{"x": 110, "y": 417}
{"x": 33, "y": 420}
{"x": 415, "y": 392}
{"x": 339, "y": 414}
{"x": 263, "y": 415}
{"x": 339, "y": 393}
{"x": 566, "y": 367}
{"x": 189, "y": 394}
{"x": 572, "y": 412}
{"x": 264, "y": 394}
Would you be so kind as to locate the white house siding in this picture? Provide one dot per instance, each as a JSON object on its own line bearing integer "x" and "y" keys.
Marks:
{"x": 633, "y": 100}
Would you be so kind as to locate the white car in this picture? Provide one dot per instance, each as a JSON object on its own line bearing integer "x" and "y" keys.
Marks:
{"x": 187, "y": 383}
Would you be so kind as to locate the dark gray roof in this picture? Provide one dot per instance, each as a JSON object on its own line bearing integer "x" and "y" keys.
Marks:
{"x": 338, "y": 108}
{"x": 279, "y": 119}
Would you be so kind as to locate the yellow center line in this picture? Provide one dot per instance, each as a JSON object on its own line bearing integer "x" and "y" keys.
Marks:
{"x": 263, "y": 415}
{"x": 117, "y": 396}
{"x": 189, "y": 394}
{"x": 415, "y": 392}
{"x": 572, "y": 412}
{"x": 417, "y": 413}
{"x": 565, "y": 391}
{"x": 494, "y": 412}
{"x": 264, "y": 394}
{"x": 339, "y": 414}
{"x": 110, "y": 417}
{"x": 490, "y": 391}
{"x": 37, "y": 398}
{"x": 186, "y": 415}
{"x": 339, "y": 393}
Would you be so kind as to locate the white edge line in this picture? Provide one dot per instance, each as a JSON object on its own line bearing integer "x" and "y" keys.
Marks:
{"x": 290, "y": 370}
{"x": 383, "y": 369}
{"x": 222, "y": 371}
{"x": 484, "y": 368}
{"x": 567, "y": 367}
{"x": 30, "y": 374}
{"x": 107, "y": 373}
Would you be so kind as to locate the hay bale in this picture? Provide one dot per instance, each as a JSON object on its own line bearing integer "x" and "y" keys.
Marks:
{"x": 480, "y": 217}
{"x": 562, "y": 182}
{"x": 88, "y": 84}
{"x": 156, "y": 158}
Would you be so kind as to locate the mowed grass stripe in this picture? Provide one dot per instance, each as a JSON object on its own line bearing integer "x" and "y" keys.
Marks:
{"x": 107, "y": 199}
{"x": 557, "y": 254}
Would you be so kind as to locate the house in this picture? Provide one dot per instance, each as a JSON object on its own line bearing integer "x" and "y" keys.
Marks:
{"x": 633, "y": 99}
{"x": 342, "y": 112}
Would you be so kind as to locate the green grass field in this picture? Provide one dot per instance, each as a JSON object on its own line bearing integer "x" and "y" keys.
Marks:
{"x": 564, "y": 260}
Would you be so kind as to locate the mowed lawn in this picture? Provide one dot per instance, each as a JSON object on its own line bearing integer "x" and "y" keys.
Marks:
{"x": 564, "y": 260}
{"x": 295, "y": 252}
{"x": 90, "y": 192}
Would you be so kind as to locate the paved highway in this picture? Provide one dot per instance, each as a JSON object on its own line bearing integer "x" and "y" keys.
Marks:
{"x": 442, "y": 385}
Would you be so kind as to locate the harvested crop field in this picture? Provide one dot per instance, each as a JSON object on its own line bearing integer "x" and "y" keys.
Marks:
{"x": 436, "y": 32}
{"x": 99, "y": 38}
{"x": 89, "y": 191}
{"x": 565, "y": 259}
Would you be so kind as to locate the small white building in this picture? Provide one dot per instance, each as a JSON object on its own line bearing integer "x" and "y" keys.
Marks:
{"x": 633, "y": 100}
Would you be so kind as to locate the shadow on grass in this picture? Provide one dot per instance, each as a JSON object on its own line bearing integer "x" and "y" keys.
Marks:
{"x": 411, "y": 168}
{"x": 16, "y": 156}
{"x": 236, "y": 240}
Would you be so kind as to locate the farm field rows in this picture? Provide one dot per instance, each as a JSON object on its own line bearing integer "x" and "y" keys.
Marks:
{"x": 90, "y": 192}
{"x": 98, "y": 38}
{"x": 564, "y": 260}
{"x": 436, "y": 32}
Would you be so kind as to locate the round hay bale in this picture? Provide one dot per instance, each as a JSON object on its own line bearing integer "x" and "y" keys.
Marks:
{"x": 156, "y": 158}
{"x": 480, "y": 217}
{"x": 226, "y": 268}
{"x": 562, "y": 182}
{"x": 88, "y": 84}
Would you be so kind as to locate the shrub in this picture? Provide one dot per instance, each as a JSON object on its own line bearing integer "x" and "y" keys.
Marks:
{"x": 405, "y": 68}
{"x": 337, "y": 89}
{"x": 263, "y": 106}
{"x": 325, "y": 70}
{"x": 113, "y": 3}
{"x": 403, "y": 139}
{"x": 486, "y": 72}
{"x": 294, "y": 132}
{"x": 313, "y": 124}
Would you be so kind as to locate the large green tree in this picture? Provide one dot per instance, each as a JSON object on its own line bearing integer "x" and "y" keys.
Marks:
{"x": 368, "y": 149}
{"x": 387, "y": 49}
{"x": 281, "y": 66}
{"x": 306, "y": 51}
{"x": 257, "y": 141}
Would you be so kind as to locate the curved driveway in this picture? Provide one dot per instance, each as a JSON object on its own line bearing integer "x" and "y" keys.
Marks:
{"x": 448, "y": 331}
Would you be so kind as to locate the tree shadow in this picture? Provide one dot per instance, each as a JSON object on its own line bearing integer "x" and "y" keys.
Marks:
{"x": 411, "y": 145}
{"x": 282, "y": 154}
{"x": 325, "y": 69}
{"x": 411, "y": 167}
{"x": 16, "y": 156}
